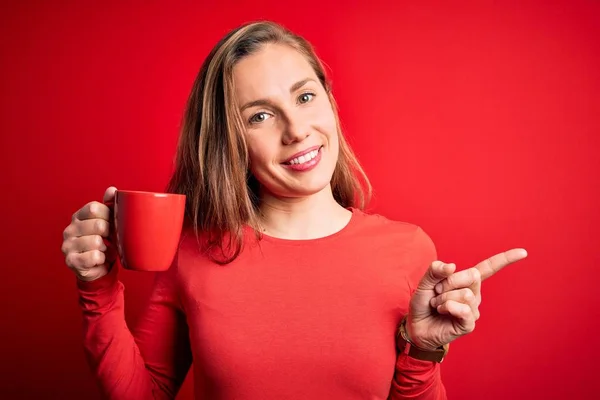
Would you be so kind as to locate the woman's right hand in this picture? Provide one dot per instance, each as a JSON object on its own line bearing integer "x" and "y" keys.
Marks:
{"x": 83, "y": 245}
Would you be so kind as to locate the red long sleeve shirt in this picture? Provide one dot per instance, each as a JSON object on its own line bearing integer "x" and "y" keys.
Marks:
{"x": 288, "y": 319}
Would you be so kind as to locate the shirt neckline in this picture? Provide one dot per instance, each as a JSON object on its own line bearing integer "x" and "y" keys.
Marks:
{"x": 303, "y": 242}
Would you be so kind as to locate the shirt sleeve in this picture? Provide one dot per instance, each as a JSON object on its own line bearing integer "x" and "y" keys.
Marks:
{"x": 149, "y": 362}
{"x": 416, "y": 379}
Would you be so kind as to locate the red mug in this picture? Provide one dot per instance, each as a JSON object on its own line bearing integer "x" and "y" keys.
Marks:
{"x": 146, "y": 228}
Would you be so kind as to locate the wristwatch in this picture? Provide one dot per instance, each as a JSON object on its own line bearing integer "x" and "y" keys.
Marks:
{"x": 436, "y": 355}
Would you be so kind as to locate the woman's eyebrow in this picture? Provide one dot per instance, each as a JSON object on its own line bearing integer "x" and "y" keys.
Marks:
{"x": 266, "y": 102}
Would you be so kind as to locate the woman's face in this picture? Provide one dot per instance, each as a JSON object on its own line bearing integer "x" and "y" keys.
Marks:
{"x": 291, "y": 129}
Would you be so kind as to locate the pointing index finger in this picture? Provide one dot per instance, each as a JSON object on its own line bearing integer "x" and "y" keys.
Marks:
{"x": 489, "y": 267}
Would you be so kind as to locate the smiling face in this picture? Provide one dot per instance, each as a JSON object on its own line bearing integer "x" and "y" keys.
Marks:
{"x": 290, "y": 125}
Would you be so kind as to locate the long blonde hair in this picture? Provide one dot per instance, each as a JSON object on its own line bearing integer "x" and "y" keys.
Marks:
{"x": 212, "y": 163}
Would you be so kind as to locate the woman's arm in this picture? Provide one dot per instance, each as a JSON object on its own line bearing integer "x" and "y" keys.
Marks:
{"x": 151, "y": 362}
{"x": 417, "y": 379}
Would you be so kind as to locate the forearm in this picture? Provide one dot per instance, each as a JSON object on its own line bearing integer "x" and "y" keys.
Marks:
{"x": 110, "y": 348}
{"x": 416, "y": 380}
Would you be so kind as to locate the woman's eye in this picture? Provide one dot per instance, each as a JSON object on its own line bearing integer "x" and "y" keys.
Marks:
{"x": 259, "y": 117}
{"x": 305, "y": 97}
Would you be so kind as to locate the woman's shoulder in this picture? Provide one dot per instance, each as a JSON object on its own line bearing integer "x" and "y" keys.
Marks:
{"x": 406, "y": 242}
{"x": 384, "y": 225}
{"x": 400, "y": 234}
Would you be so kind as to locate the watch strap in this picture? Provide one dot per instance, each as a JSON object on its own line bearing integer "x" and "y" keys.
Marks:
{"x": 414, "y": 351}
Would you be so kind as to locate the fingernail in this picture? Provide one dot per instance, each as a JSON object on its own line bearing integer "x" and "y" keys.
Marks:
{"x": 438, "y": 288}
{"x": 524, "y": 253}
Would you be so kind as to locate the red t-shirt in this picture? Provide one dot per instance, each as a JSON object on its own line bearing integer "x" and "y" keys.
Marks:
{"x": 288, "y": 319}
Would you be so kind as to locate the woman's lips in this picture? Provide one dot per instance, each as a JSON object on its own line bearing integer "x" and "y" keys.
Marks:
{"x": 306, "y": 161}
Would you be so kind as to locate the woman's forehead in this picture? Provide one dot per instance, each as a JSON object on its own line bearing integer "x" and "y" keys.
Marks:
{"x": 270, "y": 72}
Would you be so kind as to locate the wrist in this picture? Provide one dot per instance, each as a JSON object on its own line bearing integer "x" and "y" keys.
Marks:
{"x": 426, "y": 353}
{"x": 407, "y": 332}
{"x": 409, "y": 337}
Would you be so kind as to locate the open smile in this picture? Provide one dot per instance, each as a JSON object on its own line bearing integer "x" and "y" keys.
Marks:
{"x": 304, "y": 160}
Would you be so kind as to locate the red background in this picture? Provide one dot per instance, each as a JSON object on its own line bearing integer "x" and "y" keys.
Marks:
{"x": 478, "y": 121}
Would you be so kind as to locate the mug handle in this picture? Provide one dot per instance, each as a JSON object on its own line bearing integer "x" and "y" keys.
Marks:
{"x": 112, "y": 254}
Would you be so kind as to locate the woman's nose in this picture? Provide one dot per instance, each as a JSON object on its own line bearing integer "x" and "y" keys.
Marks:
{"x": 296, "y": 130}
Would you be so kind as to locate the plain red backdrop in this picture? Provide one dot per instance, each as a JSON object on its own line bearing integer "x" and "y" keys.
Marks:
{"x": 478, "y": 121}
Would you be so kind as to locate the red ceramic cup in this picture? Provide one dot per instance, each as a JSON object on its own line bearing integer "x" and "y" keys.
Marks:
{"x": 147, "y": 228}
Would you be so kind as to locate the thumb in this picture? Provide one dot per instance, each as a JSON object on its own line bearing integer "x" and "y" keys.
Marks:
{"x": 109, "y": 194}
{"x": 437, "y": 272}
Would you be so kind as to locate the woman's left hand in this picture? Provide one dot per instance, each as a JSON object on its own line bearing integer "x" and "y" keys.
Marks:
{"x": 446, "y": 303}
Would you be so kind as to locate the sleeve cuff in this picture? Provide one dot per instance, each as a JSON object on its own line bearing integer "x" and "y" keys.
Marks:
{"x": 414, "y": 363}
{"x": 106, "y": 282}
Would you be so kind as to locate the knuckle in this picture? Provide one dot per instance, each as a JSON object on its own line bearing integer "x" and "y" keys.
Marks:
{"x": 68, "y": 232}
{"x": 94, "y": 257}
{"x": 99, "y": 226}
{"x": 471, "y": 326}
{"x": 99, "y": 258}
{"x": 468, "y": 295}
{"x": 91, "y": 259}
{"x": 475, "y": 274}
{"x": 467, "y": 312}
{"x": 94, "y": 207}
{"x": 82, "y": 262}
{"x": 98, "y": 242}
{"x": 66, "y": 246}
{"x": 71, "y": 260}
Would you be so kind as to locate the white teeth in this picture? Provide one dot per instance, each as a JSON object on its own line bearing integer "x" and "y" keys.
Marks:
{"x": 305, "y": 158}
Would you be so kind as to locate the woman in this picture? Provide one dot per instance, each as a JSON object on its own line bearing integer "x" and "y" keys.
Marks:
{"x": 292, "y": 291}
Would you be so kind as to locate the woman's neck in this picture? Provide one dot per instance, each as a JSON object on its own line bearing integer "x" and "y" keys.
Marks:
{"x": 311, "y": 217}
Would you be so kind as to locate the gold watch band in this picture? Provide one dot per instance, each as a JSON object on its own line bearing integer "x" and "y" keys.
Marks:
{"x": 436, "y": 355}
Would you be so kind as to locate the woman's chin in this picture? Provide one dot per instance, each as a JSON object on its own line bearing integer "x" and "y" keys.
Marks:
{"x": 299, "y": 191}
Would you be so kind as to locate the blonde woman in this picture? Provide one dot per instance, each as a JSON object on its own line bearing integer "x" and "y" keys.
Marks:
{"x": 283, "y": 287}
